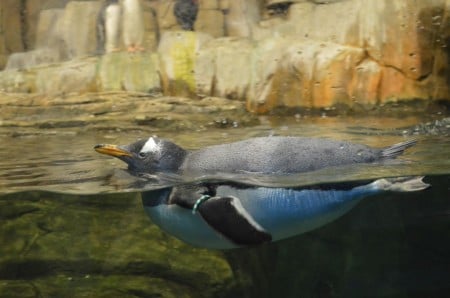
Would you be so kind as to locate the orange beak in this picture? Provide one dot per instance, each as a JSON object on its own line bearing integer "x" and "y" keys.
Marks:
{"x": 112, "y": 150}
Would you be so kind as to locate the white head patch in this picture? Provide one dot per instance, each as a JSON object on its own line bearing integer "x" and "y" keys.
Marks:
{"x": 150, "y": 146}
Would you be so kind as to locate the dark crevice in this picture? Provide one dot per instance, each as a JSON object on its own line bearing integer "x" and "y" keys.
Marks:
{"x": 32, "y": 269}
{"x": 24, "y": 24}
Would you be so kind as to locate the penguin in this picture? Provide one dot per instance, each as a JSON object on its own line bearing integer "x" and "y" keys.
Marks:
{"x": 108, "y": 27}
{"x": 185, "y": 12}
{"x": 224, "y": 214}
{"x": 132, "y": 25}
{"x": 266, "y": 155}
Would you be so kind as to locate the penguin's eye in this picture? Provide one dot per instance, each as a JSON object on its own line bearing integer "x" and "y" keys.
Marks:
{"x": 142, "y": 154}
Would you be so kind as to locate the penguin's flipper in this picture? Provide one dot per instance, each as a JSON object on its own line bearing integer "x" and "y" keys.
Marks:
{"x": 397, "y": 149}
{"x": 227, "y": 216}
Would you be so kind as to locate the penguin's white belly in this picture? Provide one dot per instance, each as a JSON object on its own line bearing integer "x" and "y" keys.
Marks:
{"x": 286, "y": 212}
{"x": 133, "y": 23}
{"x": 282, "y": 213}
{"x": 191, "y": 228}
{"x": 112, "y": 27}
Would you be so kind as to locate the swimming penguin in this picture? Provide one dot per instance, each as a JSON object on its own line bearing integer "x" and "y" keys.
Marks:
{"x": 224, "y": 215}
{"x": 268, "y": 155}
{"x": 132, "y": 25}
{"x": 185, "y": 12}
{"x": 227, "y": 215}
{"x": 108, "y": 27}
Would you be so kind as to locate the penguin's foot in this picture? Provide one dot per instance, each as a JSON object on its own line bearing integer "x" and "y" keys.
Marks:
{"x": 198, "y": 202}
{"x": 135, "y": 48}
{"x": 140, "y": 49}
{"x": 401, "y": 184}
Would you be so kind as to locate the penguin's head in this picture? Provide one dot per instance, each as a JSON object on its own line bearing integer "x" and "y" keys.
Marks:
{"x": 147, "y": 155}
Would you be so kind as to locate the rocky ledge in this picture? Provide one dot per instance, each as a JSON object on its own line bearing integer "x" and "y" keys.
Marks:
{"x": 24, "y": 114}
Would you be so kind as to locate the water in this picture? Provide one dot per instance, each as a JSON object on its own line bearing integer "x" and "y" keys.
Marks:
{"x": 63, "y": 160}
{"x": 72, "y": 223}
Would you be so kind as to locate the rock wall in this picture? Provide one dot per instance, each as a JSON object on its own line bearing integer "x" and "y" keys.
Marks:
{"x": 270, "y": 53}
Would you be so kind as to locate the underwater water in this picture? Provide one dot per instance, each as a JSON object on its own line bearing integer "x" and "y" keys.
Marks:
{"x": 72, "y": 222}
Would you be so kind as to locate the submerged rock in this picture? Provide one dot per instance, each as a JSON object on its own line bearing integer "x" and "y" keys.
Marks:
{"x": 58, "y": 243}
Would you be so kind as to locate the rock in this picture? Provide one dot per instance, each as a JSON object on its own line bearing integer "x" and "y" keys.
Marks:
{"x": 12, "y": 287}
{"x": 401, "y": 37}
{"x": 31, "y": 15}
{"x": 394, "y": 84}
{"x": 32, "y": 58}
{"x": 242, "y": 17}
{"x": 391, "y": 51}
{"x": 117, "y": 254}
{"x": 220, "y": 68}
{"x": 301, "y": 74}
{"x": 365, "y": 84}
{"x": 48, "y": 32}
{"x": 210, "y": 21}
{"x": 150, "y": 42}
{"x": 15, "y": 81}
{"x": 440, "y": 77}
{"x": 166, "y": 18}
{"x": 11, "y": 30}
{"x": 28, "y": 114}
{"x": 208, "y": 4}
{"x": 178, "y": 56}
{"x": 80, "y": 39}
{"x": 405, "y": 49}
{"x": 130, "y": 72}
{"x": 73, "y": 76}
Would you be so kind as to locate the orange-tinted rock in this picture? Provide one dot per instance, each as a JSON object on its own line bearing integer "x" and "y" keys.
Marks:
{"x": 301, "y": 74}
{"x": 406, "y": 44}
{"x": 395, "y": 85}
{"x": 365, "y": 84}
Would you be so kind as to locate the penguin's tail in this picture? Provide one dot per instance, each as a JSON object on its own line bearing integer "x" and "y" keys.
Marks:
{"x": 401, "y": 184}
{"x": 397, "y": 149}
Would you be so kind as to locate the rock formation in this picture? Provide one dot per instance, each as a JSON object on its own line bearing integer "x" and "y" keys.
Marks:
{"x": 269, "y": 53}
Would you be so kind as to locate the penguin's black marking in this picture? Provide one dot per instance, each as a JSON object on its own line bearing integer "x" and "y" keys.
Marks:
{"x": 185, "y": 12}
{"x": 224, "y": 214}
{"x": 227, "y": 216}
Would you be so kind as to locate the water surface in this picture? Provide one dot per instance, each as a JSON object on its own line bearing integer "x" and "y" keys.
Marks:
{"x": 65, "y": 161}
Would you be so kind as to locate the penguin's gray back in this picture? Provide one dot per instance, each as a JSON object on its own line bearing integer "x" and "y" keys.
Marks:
{"x": 285, "y": 155}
